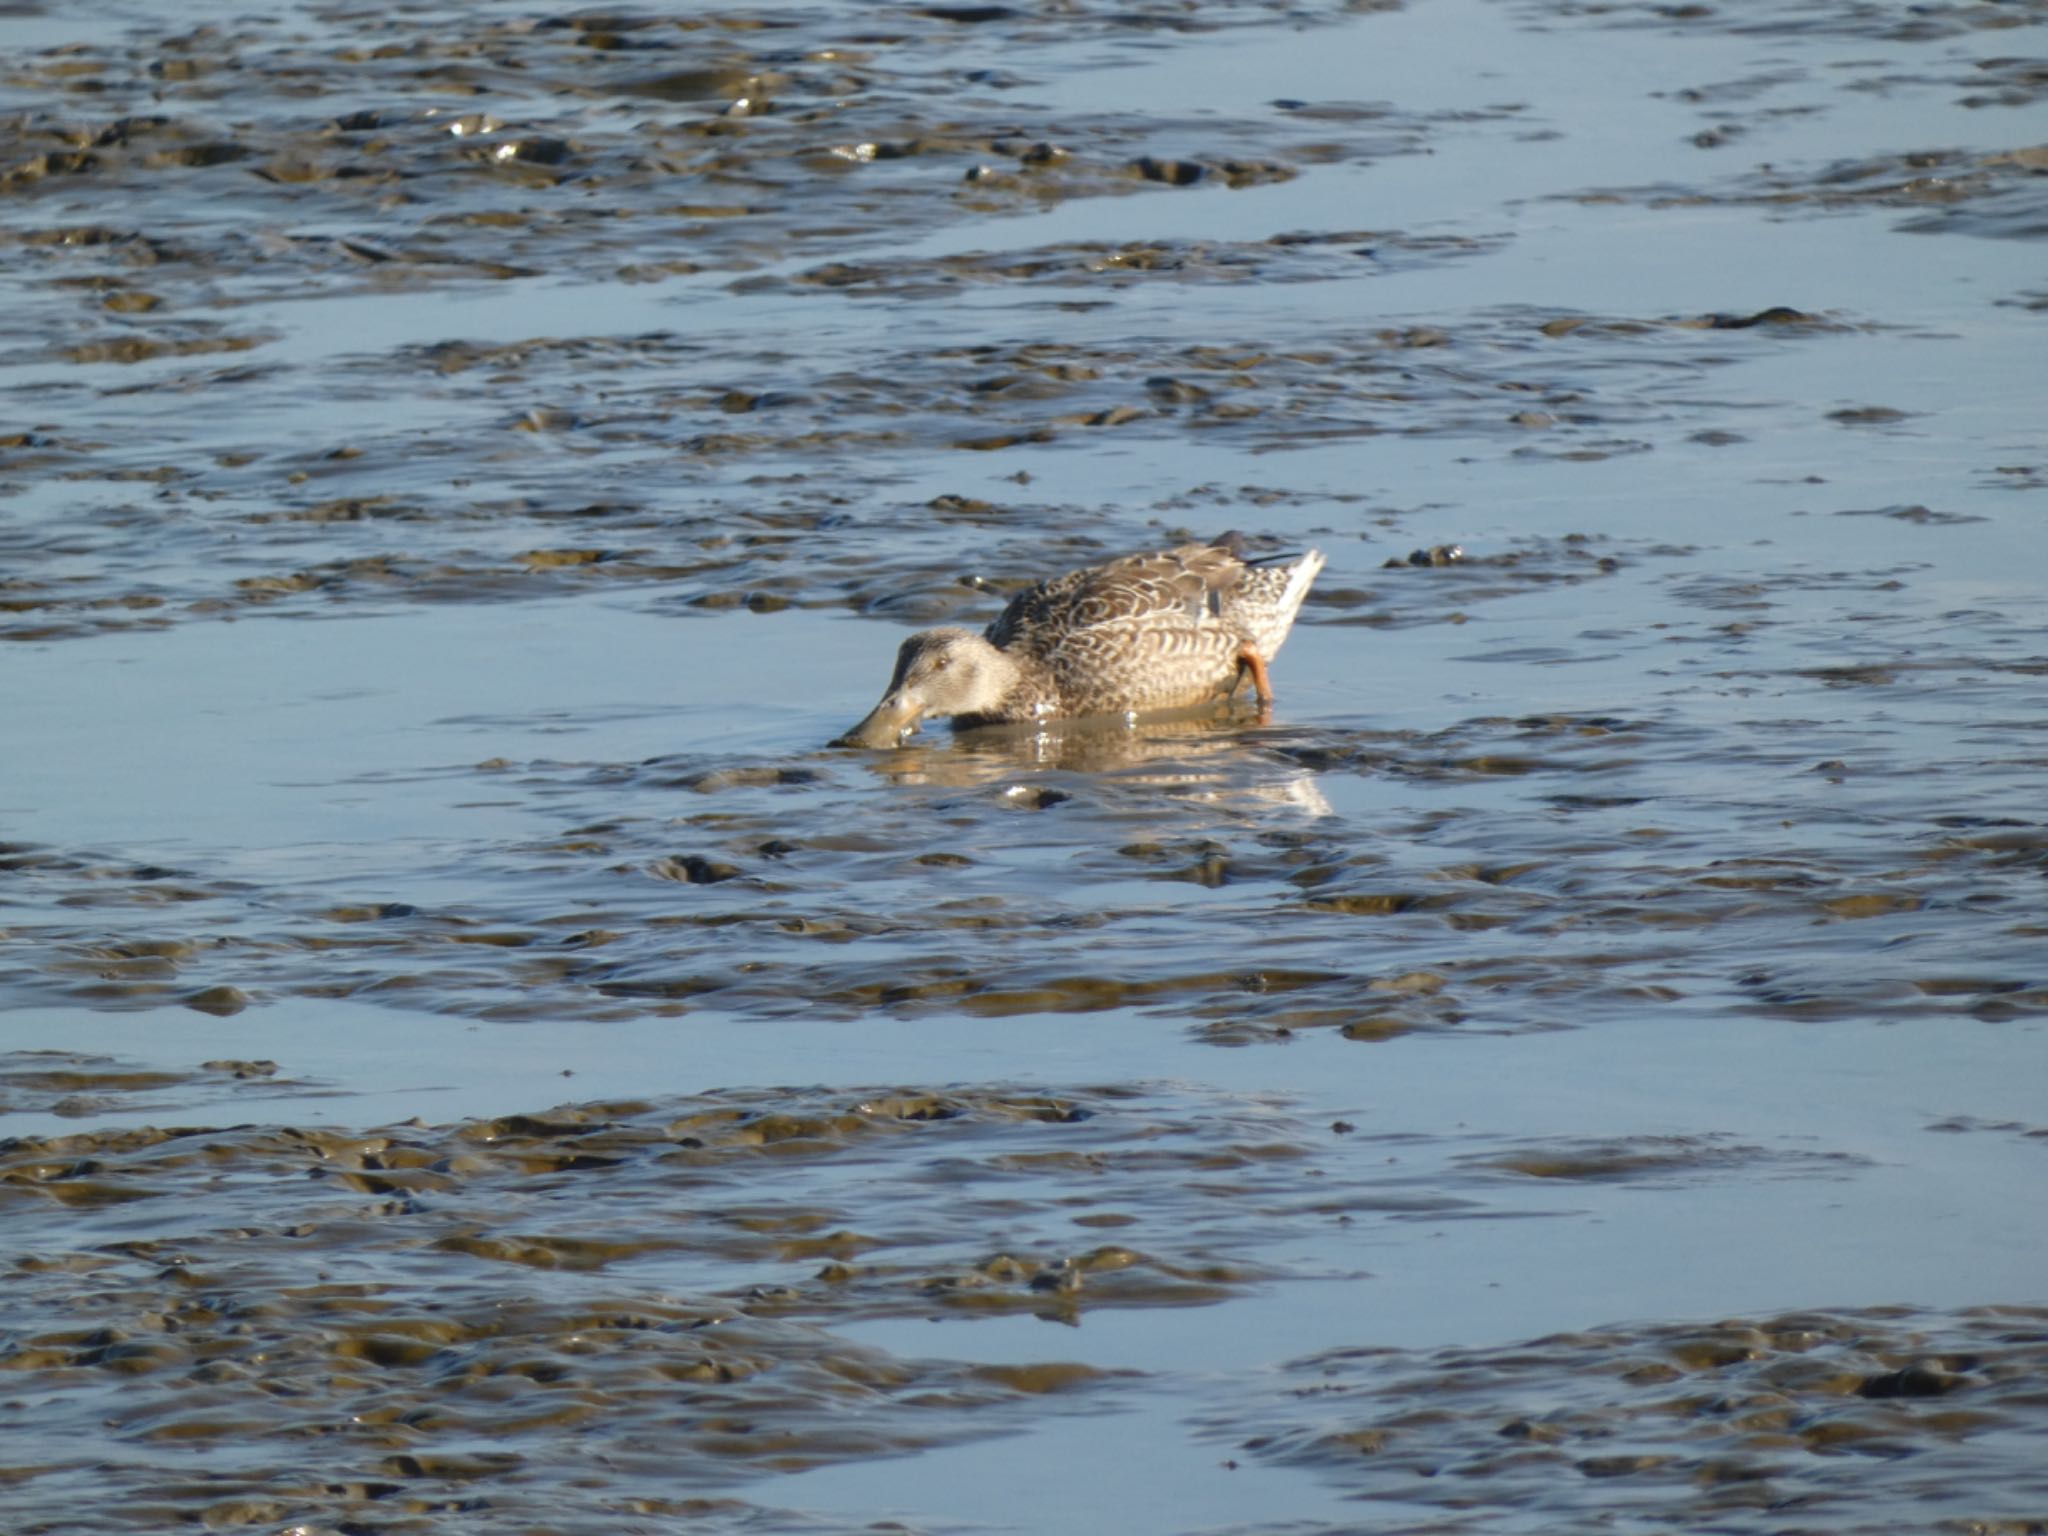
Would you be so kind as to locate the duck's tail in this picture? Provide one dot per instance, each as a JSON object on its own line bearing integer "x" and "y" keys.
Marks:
{"x": 1273, "y": 593}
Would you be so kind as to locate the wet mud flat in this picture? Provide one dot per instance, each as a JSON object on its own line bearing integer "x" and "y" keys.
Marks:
{"x": 571, "y": 1318}
{"x": 472, "y": 1058}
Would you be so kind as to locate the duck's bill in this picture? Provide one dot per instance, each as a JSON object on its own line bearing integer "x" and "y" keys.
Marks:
{"x": 891, "y": 720}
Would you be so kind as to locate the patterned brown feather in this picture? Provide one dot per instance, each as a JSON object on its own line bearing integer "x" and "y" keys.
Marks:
{"x": 1165, "y": 630}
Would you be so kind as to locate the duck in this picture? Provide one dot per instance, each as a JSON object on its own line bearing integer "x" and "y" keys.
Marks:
{"x": 1168, "y": 629}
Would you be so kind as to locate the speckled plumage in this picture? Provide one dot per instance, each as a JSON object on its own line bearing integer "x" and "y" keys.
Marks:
{"x": 1165, "y": 630}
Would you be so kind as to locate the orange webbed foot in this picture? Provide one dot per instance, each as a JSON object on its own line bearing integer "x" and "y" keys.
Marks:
{"x": 1250, "y": 661}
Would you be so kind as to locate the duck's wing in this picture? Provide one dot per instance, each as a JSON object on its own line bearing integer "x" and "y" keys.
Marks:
{"x": 1169, "y": 591}
{"x": 1156, "y": 631}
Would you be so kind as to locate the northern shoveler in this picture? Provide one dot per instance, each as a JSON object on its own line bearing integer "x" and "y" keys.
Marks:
{"x": 1167, "y": 630}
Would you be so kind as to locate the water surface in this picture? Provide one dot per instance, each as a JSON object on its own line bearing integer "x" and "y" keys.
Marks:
{"x": 472, "y": 1058}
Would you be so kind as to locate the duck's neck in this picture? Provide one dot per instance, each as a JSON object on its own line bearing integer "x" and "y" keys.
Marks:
{"x": 1025, "y": 690}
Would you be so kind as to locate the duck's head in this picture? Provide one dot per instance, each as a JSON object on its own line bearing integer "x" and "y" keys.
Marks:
{"x": 939, "y": 672}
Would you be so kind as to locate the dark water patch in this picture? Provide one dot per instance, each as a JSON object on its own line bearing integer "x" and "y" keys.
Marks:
{"x": 75, "y": 1086}
{"x": 581, "y": 1284}
{"x": 660, "y": 1268}
{"x": 1727, "y": 1423}
{"x": 708, "y": 127}
{"x": 1667, "y": 1161}
{"x": 797, "y": 548}
{"x": 1966, "y": 1125}
{"x": 1997, "y": 195}
{"x": 641, "y": 399}
{"x": 2006, "y": 82}
{"x": 779, "y": 454}
{"x": 1925, "y": 517}
{"x": 1283, "y": 258}
{"x": 1810, "y": 19}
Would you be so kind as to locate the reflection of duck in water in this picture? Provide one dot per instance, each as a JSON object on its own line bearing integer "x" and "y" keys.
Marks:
{"x": 1195, "y": 756}
{"x": 1148, "y": 632}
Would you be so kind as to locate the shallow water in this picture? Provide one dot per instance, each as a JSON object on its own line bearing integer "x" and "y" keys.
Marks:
{"x": 473, "y": 1059}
